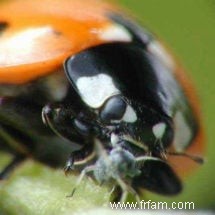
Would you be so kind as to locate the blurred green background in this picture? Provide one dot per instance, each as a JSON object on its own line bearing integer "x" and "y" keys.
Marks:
{"x": 188, "y": 27}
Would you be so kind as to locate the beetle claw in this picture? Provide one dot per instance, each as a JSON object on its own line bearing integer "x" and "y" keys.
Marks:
{"x": 69, "y": 165}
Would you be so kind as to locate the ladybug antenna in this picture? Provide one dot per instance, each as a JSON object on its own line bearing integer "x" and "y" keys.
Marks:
{"x": 195, "y": 158}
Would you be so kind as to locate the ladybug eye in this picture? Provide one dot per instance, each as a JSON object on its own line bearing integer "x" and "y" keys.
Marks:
{"x": 113, "y": 109}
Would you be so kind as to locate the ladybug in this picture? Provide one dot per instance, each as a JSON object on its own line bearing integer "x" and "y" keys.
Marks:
{"x": 114, "y": 102}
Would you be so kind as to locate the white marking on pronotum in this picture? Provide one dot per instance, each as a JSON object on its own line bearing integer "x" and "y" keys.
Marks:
{"x": 95, "y": 90}
{"x": 129, "y": 115}
{"x": 183, "y": 133}
{"x": 159, "y": 129}
{"x": 115, "y": 32}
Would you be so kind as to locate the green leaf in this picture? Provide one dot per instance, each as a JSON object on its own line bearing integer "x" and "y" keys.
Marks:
{"x": 37, "y": 189}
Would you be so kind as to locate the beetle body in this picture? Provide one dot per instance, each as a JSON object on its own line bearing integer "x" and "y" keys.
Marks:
{"x": 117, "y": 102}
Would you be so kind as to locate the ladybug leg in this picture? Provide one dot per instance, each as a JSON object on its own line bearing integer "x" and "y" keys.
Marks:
{"x": 67, "y": 123}
{"x": 80, "y": 158}
{"x": 11, "y": 166}
{"x": 13, "y": 136}
{"x": 11, "y": 144}
{"x": 10, "y": 139}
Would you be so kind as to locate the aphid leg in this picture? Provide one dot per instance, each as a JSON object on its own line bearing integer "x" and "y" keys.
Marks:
{"x": 89, "y": 157}
{"x": 126, "y": 189}
{"x": 82, "y": 175}
{"x": 115, "y": 193}
{"x": 11, "y": 166}
{"x": 124, "y": 196}
{"x": 112, "y": 190}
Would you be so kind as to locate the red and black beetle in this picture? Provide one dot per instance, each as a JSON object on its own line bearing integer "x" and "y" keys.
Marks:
{"x": 118, "y": 103}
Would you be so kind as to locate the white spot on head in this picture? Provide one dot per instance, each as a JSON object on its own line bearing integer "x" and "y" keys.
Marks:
{"x": 129, "y": 115}
{"x": 115, "y": 32}
{"x": 182, "y": 132}
{"x": 159, "y": 129}
{"x": 158, "y": 50}
{"x": 95, "y": 90}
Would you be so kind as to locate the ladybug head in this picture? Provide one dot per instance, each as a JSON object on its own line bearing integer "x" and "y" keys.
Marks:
{"x": 112, "y": 81}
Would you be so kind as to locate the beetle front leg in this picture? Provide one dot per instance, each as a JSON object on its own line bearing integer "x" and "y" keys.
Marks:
{"x": 67, "y": 124}
{"x": 9, "y": 141}
{"x": 80, "y": 158}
